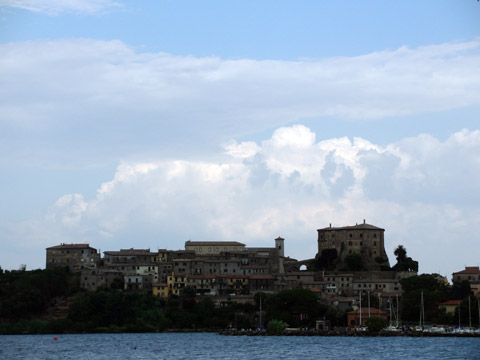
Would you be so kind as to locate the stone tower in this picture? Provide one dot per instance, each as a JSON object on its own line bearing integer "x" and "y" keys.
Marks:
{"x": 279, "y": 245}
{"x": 363, "y": 239}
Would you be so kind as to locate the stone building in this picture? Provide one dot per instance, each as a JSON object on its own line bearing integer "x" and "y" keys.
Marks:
{"x": 363, "y": 239}
{"x": 359, "y": 317}
{"x": 470, "y": 274}
{"x": 213, "y": 247}
{"x": 233, "y": 269}
{"x": 75, "y": 256}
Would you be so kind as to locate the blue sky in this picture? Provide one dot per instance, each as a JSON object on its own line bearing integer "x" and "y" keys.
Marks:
{"x": 148, "y": 123}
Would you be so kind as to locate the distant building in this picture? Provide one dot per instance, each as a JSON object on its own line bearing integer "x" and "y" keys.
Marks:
{"x": 230, "y": 268}
{"x": 363, "y": 239}
{"x": 213, "y": 247}
{"x": 75, "y": 256}
{"x": 359, "y": 317}
{"x": 450, "y": 306}
{"x": 470, "y": 274}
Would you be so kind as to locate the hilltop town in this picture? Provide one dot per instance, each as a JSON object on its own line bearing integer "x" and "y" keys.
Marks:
{"x": 223, "y": 284}
{"x": 350, "y": 261}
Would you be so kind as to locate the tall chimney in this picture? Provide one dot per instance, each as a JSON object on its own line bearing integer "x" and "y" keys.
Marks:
{"x": 364, "y": 221}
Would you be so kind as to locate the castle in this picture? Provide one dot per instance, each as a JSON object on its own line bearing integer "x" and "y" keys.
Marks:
{"x": 361, "y": 239}
{"x": 225, "y": 269}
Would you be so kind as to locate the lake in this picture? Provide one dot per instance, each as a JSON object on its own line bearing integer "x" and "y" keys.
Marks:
{"x": 214, "y": 346}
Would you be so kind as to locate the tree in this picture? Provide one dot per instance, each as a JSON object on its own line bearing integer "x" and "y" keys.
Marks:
{"x": 275, "y": 327}
{"x": 460, "y": 290}
{"x": 375, "y": 324}
{"x": 401, "y": 253}
{"x": 468, "y": 312}
{"x": 354, "y": 262}
{"x": 434, "y": 292}
{"x": 297, "y": 307}
{"x": 404, "y": 263}
{"x": 327, "y": 260}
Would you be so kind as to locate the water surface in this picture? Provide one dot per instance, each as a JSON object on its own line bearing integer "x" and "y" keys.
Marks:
{"x": 213, "y": 346}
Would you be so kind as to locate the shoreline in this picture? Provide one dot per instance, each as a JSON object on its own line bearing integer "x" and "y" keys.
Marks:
{"x": 349, "y": 334}
{"x": 333, "y": 333}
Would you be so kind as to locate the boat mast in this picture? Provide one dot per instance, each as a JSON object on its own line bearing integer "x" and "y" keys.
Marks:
{"x": 469, "y": 314}
{"x": 260, "y": 311}
{"x": 390, "y": 303}
{"x": 369, "y": 304}
{"x": 360, "y": 308}
{"x": 422, "y": 311}
{"x": 459, "y": 323}
{"x": 397, "y": 311}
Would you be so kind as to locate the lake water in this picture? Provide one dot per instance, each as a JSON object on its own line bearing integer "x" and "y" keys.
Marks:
{"x": 213, "y": 346}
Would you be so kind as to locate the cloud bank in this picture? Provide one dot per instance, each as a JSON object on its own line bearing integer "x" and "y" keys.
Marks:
{"x": 421, "y": 190}
{"x": 55, "y": 7}
{"x": 86, "y": 94}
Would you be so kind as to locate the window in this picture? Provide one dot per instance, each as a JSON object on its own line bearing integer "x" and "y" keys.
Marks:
{"x": 350, "y": 235}
{"x": 209, "y": 249}
{"x": 374, "y": 243}
{"x": 361, "y": 235}
{"x": 361, "y": 243}
{"x": 374, "y": 235}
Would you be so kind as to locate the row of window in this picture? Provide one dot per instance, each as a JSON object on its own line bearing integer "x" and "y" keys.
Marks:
{"x": 349, "y": 235}
{"x": 210, "y": 249}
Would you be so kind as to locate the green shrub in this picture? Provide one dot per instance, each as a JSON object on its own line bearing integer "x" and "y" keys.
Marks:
{"x": 375, "y": 324}
{"x": 275, "y": 327}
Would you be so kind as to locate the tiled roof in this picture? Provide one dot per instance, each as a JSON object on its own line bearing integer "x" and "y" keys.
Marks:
{"x": 71, "y": 246}
{"x": 469, "y": 270}
{"x": 229, "y": 276}
{"x": 213, "y": 243}
{"x": 261, "y": 277}
{"x": 366, "y": 310}
{"x": 363, "y": 226}
{"x": 124, "y": 252}
{"x": 451, "y": 302}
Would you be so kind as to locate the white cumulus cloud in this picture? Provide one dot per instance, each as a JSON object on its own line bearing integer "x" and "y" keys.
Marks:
{"x": 420, "y": 189}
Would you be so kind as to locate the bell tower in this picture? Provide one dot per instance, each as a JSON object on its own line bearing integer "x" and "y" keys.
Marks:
{"x": 279, "y": 245}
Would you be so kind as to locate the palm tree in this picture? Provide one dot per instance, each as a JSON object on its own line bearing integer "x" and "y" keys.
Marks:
{"x": 401, "y": 253}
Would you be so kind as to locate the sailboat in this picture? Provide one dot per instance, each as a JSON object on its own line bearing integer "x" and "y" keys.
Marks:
{"x": 421, "y": 324}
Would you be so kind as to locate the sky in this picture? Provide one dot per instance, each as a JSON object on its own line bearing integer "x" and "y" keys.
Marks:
{"x": 145, "y": 124}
